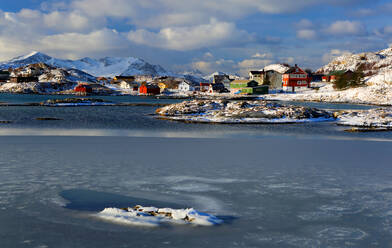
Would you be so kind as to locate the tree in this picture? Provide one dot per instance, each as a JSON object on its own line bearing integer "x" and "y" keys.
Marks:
{"x": 349, "y": 80}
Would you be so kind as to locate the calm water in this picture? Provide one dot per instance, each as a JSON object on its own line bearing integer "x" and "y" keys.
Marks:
{"x": 307, "y": 185}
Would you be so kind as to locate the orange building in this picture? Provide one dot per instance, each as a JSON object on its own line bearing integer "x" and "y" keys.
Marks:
{"x": 149, "y": 89}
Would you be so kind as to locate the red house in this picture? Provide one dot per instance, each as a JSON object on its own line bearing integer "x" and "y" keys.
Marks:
{"x": 326, "y": 78}
{"x": 295, "y": 77}
{"x": 83, "y": 88}
{"x": 204, "y": 87}
{"x": 149, "y": 89}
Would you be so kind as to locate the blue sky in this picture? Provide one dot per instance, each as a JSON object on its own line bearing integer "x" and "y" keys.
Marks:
{"x": 185, "y": 35}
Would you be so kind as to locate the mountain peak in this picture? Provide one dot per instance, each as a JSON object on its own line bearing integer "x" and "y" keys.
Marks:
{"x": 108, "y": 67}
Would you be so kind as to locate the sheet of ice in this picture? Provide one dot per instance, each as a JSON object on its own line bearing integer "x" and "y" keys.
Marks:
{"x": 151, "y": 216}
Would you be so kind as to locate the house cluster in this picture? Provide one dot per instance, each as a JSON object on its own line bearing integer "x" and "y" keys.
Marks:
{"x": 335, "y": 75}
{"x": 258, "y": 82}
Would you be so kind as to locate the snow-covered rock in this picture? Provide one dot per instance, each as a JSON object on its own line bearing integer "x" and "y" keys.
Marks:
{"x": 211, "y": 111}
{"x": 107, "y": 67}
{"x": 152, "y": 216}
{"x": 379, "y": 118}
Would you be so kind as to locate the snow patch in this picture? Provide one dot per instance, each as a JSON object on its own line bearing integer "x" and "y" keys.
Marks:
{"x": 154, "y": 217}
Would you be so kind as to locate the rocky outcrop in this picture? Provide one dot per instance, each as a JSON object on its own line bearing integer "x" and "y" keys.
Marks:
{"x": 241, "y": 112}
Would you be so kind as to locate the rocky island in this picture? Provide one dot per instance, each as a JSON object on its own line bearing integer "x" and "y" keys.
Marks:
{"x": 231, "y": 112}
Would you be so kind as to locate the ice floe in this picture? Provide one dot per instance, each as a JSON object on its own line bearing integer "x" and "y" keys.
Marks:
{"x": 154, "y": 217}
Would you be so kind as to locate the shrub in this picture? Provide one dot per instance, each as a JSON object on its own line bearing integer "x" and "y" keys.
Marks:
{"x": 346, "y": 80}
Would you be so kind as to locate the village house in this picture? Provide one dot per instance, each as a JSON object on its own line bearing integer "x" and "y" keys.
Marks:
{"x": 334, "y": 75}
{"x": 162, "y": 86}
{"x": 295, "y": 77}
{"x": 124, "y": 78}
{"x": 224, "y": 79}
{"x": 103, "y": 80}
{"x": 149, "y": 89}
{"x": 188, "y": 86}
{"x": 204, "y": 87}
{"x": 217, "y": 88}
{"x": 250, "y": 87}
{"x": 4, "y": 76}
{"x": 21, "y": 79}
{"x": 134, "y": 86}
{"x": 83, "y": 88}
{"x": 257, "y": 76}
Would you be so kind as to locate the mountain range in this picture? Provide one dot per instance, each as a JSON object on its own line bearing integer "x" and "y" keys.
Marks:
{"x": 106, "y": 67}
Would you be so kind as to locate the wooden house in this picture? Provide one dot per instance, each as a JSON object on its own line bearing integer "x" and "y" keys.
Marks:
{"x": 20, "y": 79}
{"x": 149, "y": 89}
{"x": 295, "y": 77}
{"x": 204, "y": 87}
{"x": 4, "y": 76}
{"x": 247, "y": 87}
{"x": 188, "y": 86}
{"x": 83, "y": 88}
{"x": 257, "y": 76}
{"x": 216, "y": 88}
{"x": 124, "y": 78}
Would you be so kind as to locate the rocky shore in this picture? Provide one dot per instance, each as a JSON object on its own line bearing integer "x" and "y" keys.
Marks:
{"x": 221, "y": 111}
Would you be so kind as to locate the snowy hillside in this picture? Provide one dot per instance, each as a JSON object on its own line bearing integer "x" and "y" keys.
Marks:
{"x": 108, "y": 66}
{"x": 371, "y": 62}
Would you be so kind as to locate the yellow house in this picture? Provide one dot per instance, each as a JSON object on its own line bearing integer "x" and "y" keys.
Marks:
{"x": 162, "y": 86}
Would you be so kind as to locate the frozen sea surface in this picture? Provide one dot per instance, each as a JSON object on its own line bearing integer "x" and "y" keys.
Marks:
{"x": 307, "y": 185}
{"x": 337, "y": 195}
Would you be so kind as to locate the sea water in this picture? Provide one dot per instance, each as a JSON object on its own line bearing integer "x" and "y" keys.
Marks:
{"x": 308, "y": 185}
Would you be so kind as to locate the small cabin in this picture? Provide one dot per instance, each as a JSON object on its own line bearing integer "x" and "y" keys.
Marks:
{"x": 217, "y": 88}
{"x": 204, "y": 87}
{"x": 257, "y": 76}
{"x": 149, "y": 89}
{"x": 4, "y": 76}
{"x": 124, "y": 78}
{"x": 21, "y": 79}
{"x": 187, "y": 86}
{"x": 83, "y": 88}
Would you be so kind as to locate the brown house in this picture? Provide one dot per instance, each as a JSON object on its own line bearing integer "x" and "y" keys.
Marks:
{"x": 23, "y": 79}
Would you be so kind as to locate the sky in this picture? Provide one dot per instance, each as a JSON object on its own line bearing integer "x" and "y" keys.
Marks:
{"x": 232, "y": 36}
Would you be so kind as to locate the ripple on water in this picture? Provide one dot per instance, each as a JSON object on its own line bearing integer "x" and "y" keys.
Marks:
{"x": 341, "y": 233}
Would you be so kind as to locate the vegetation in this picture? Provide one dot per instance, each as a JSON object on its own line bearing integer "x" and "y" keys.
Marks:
{"x": 349, "y": 80}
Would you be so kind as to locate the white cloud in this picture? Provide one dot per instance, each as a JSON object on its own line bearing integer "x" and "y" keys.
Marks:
{"x": 208, "y": 67}
{"x": 307, "y": 34}
{"x": 84, "y": 43}
{"x": 334, "y": 53}
{"x": 346, "y": 28}
{"x": 189, "y": 38}
{"x": 304, "y": 24}
{"x": 262, "y": 55}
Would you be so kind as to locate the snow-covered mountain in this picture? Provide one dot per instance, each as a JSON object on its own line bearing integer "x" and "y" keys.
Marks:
{"x": 370, "y": 62}
{"x": 211, "y": 77}
{"x": 108, "y": 66}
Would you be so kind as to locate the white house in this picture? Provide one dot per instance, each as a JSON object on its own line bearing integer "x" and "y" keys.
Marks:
{"x": 186, "y": 86}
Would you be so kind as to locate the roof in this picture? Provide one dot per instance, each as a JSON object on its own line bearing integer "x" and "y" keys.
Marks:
{"x": 257, "y": 72}
{"x": 277, "y": 67}
{"x": 125, "y": 77}
{"x": 241, "y": 81}
{"x": 294, "y": 69}
{"x": 338, "y": 73}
